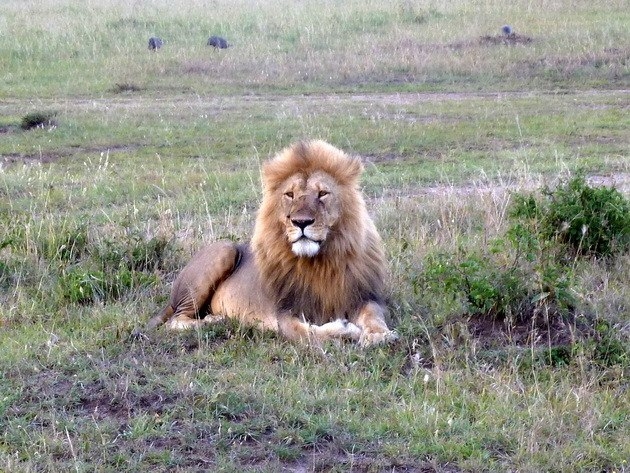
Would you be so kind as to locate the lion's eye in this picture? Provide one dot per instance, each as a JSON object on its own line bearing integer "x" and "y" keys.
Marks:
{"x": 289, "y": 194}
{"x": 323, "y": 194}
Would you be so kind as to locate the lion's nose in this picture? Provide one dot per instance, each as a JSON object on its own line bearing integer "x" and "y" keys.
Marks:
{"x": 302, "y": 223}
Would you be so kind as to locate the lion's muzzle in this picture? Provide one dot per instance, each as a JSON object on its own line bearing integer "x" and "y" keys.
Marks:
{"x": 303, "y": 231}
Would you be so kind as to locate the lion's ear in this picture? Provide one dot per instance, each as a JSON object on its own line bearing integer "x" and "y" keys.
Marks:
{"x": 272, "y": 175}
{"x": 355, "y": 166}
{"x": 344, "y": 167}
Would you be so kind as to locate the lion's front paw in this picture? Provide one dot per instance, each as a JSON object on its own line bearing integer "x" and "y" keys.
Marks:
{"x": 369, "y": 338}
{"x": 339, "y": 328}
{"x": 183, "y": 323}
{"x": 350, "y": 331}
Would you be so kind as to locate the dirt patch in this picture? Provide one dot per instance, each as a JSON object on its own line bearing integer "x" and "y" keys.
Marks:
{"x": 126, "y": 87}
{"x": 384, "y": 158}
{"x": 512, "y": 39}
{"x": 198, "y": 68}
{"x": 100, "y": 402}
{"x": 47, "y": 158}
{"x": 613, "y": 60}
{"x": 619, "y": 181}
{"x": 505, "y": 39}
{"x": 540, "y": 330}
{"x": 11, "y": 159}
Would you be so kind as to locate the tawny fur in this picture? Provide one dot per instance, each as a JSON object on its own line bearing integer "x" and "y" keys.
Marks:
{"x": 349, "y": 268}
{"x": 336, "y": 292}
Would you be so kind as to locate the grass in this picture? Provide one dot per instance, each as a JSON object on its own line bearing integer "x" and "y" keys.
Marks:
{"x": 60, "y": 48}
{"x": 153, "y": 153}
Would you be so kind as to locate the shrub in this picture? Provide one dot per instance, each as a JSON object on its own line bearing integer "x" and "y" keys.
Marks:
{"x": 105, "y": 270}
{"x": 86, "y": 285}
{"x": 38, "y": 120}
{"x": 485, "y": 284}
{"x": 609, "y": 349}
{"x": 477, "y": 283}
{"x": 123, "y": 87}
{"x": 82, "y": 286}
{"x": 587, "y": 220}
{"x": 530, "y": 268}
{"x": 134, "y": 252}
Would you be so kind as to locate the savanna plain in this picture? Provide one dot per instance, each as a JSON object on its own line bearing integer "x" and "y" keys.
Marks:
{"x": 482, "y": 150}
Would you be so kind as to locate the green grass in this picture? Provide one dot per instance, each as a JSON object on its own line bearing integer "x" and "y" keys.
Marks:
{"x": 63, "y": 48}
{"x": 152, "y": 154}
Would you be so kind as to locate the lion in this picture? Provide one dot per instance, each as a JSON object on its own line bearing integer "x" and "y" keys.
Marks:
{"x": 314, "y": 269}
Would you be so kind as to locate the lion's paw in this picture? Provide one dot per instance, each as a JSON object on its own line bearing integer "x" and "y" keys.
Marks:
{"x": 350, "y": 330}
{"x": 369, "y": 338}
{"x": 340, "y": 328}
{"x": 185, "y": 323}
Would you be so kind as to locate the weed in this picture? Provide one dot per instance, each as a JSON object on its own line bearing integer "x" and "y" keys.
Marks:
{"x": 134, "y": 252}
{"x": 610, "y": 349}
{"x": 113, "y": 269}
{"x": 529, "y": 272}
{"x": 82, "y": 286}
{"x": 488, "y": 285}
{"x": 65, "y": 243}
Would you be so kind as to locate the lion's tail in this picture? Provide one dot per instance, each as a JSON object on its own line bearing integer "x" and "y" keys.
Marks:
{"x": 162, "y": 317}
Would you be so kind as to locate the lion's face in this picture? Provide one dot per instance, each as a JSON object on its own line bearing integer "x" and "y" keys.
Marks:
{"x": 310, "y": 208}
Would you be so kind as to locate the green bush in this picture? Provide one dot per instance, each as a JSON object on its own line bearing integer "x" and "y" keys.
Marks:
{"x": 38, "y": 120}
{"x": 477, "y": 283}
{"x": 84, "y": 285}
{"x": 135, "y": 252}
{"x": 531, "y": 267}
{"x": 609, "y": 349}
{"x": 490, "y": 285}
{"x": 588, "y": 221}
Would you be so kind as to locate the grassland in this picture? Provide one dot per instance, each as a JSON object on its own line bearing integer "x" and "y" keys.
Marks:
{"x": 150, "y": 154}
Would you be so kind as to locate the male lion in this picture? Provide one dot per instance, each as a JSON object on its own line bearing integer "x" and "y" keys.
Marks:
{"x": 315, "y": 266}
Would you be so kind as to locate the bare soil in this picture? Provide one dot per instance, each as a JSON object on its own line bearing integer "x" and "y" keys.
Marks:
{"x": 506, "y": 39}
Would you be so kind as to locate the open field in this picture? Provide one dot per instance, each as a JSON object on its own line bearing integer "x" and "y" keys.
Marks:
{"x": 144, "y": 156}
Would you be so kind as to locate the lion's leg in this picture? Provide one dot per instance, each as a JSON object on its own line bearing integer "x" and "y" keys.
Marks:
{"x": 297, "y": 330}
{"x": 196, "y": 283}
{"x": 371, "y": 322}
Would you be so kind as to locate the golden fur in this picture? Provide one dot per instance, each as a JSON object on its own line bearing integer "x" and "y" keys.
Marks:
{"x": 314, "y": 269}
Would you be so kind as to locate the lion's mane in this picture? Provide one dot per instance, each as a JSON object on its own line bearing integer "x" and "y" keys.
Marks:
{"x": 350, "y": 267}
